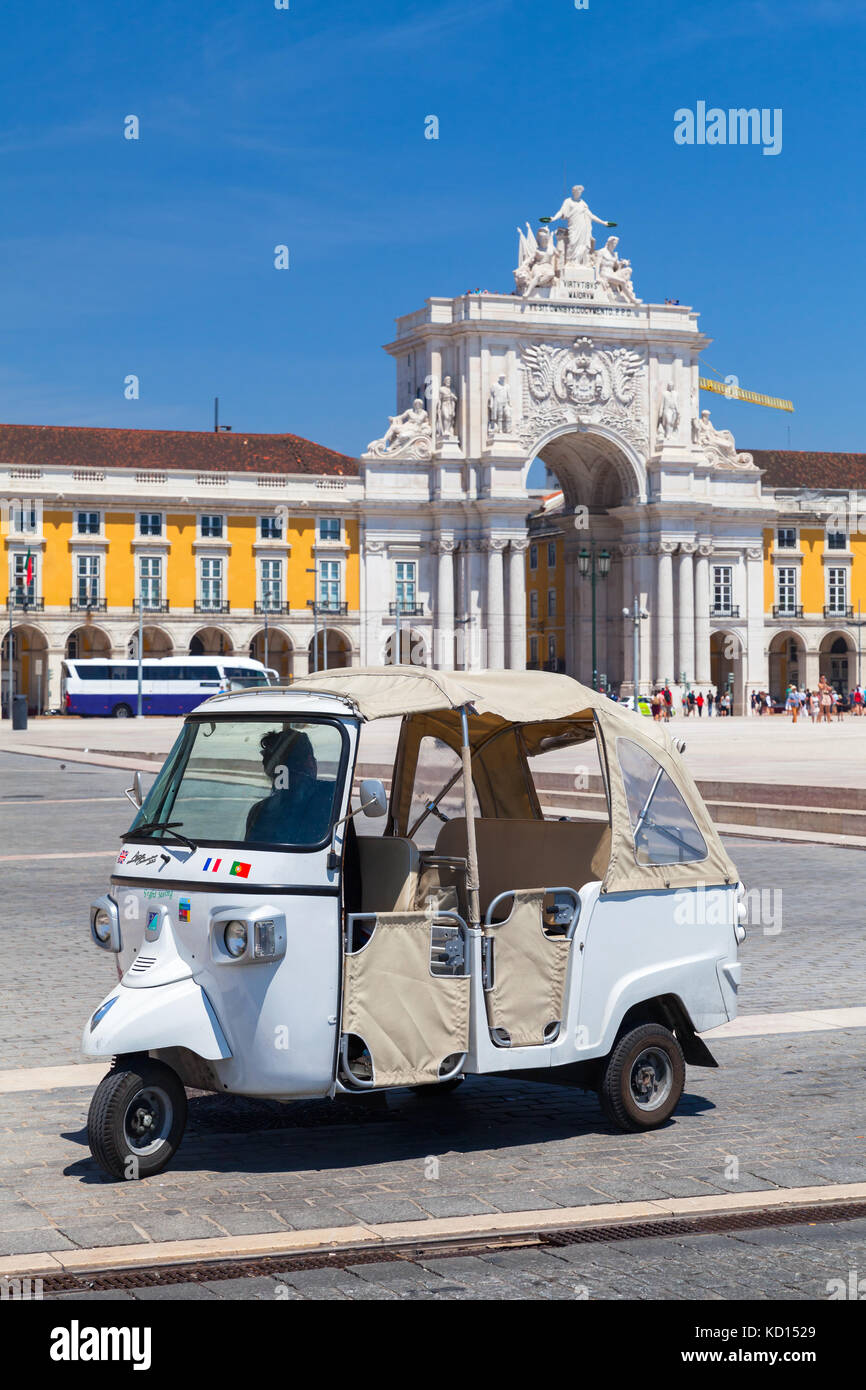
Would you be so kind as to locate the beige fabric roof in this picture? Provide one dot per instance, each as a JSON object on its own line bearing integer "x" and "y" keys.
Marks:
{"x": 517, "y": 697}
{"x": 503, "y": 698}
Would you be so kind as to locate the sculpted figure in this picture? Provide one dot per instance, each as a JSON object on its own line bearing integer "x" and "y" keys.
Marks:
{"x": 446, "y": 410}
{"x": 407, "y": 432}
{"x": 579, "y": 218}
{"x": 614, "y": 272}
{"x": 499, "y": 407}
{"x": 538, "y": 256}
{"x": 718, "y": 445}
{"x": 669, "y": 413}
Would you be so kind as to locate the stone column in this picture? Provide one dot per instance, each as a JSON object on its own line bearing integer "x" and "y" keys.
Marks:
{"x": 517, "y": 604}
{"x": 665, "y": 613}
{"x": 703, "y": 675}
{"x": 757, "y": 666}
{"x": 443, "y": 628}
{"x": 495, "y": 609}
{"x": 686, "y": 613}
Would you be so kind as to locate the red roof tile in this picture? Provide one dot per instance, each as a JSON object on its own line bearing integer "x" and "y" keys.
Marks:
{"x": 790, "y": 468}
{"x": 36, "y": 446}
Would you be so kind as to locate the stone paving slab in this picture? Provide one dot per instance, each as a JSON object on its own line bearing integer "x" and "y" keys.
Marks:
{"x": 778, "y": 1113}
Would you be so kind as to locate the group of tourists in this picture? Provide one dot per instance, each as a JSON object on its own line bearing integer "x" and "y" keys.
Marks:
{"x": 692, "y": 701}
{"x": 822, "y": 703}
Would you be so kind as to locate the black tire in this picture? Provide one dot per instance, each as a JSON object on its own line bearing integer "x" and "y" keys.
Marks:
{"x": 122, "y": 711}
{"x": 643, "y": 1078}
{"x": 135, "y": 1099}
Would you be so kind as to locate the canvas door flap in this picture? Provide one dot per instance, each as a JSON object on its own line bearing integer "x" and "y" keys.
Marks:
{"x": 529, "y": 972}
{"x": 409, "y": 1019}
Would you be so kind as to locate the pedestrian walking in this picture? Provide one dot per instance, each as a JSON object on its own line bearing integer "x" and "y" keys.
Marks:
{"x": 710, "y": 698}
{"x": 700, "y": 703}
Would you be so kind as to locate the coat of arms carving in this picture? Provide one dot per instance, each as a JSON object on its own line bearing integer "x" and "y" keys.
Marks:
{"x": 582, "y": 384}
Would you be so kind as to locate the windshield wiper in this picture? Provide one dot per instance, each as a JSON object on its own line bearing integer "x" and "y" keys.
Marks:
{"x": 166, "y": 826}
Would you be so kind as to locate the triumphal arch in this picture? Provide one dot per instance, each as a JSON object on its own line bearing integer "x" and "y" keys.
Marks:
{"x": 569, "y": 365}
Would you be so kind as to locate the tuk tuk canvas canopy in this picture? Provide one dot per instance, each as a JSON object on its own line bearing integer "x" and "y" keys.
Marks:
{"x": 429, "y": 702}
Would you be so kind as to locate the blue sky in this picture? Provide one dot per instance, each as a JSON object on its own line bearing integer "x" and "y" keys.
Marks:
{"x": 306, "y": 127}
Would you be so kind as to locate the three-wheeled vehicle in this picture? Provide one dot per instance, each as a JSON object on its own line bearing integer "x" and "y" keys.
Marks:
{"x": 266, "y": 946}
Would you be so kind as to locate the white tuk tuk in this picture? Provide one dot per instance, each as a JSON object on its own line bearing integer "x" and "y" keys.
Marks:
{"x": 267, "y": 948}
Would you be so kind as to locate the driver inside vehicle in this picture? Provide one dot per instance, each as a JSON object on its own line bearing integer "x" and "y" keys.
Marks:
{"x": 297, "y": 810}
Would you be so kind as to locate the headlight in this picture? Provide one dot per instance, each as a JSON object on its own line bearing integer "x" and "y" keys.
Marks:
{"x": 102, "y": 924}
{"x": 235, "y": 938}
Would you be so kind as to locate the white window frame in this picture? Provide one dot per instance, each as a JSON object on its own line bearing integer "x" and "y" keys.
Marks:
{"x": 329, "y": 540}
{"x": 835, "y": 549}
{"x": 837, "y": 577}
{"x": 551, "y": 555}
{"x": 410, "y": 581}
{"x": 150, "y": 535}
{"x": 94, "y": 560}
{"x": 88, "y": 512}
{"x": 25, "y": 525}
{"x": 322, "y": 582}
{"x": 144, "y": 558}
{"x": 273, "y": 519}
{"x": 551, "y": 603}
{"x": 265, "y": 582}
{"x": 788, "y": 609}
{"x": 796, "y": 534}
{"x": 723, "y": 606}
{"x": 212, "y": 516}
{"x": 533, "y": 556}
{"x": 533, "y": 605}
{"x": 216, "y": 574}
{"x": 18, "y": 562}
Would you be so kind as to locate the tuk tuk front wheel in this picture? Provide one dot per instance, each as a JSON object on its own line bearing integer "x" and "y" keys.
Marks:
{"x": 137, "y": 1118}
{"x": 643, "y": 1078}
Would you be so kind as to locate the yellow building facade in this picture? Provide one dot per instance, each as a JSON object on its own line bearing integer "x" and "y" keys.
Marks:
{"x": 208, "y": 558}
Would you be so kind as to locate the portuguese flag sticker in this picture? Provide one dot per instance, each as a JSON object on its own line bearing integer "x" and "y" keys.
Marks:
{"x": 240, "y": 870}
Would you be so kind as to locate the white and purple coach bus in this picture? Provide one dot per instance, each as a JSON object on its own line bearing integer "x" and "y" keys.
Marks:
{"x": 170, "y": 684}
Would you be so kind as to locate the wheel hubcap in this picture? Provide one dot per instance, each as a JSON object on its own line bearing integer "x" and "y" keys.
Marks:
{"x": 652, "y": 1078}
{"x": 148, "y": 1120}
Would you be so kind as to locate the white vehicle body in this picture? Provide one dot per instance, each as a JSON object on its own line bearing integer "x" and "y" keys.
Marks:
{"x": 281, "y": 1023}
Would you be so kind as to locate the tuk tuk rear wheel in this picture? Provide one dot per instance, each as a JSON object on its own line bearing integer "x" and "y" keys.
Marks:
{"x": 137, "y": 1118}
{"x": 643, "y": 1078}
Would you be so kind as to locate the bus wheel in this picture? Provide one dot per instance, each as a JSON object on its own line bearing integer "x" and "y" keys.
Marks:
{"x": 643, "y": 1078}
{"x": 122, "y": 712}
{"x": 137, "y": 1118}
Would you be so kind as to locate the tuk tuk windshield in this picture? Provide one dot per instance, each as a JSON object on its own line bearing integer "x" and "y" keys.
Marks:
{"x": 249, "y": 781}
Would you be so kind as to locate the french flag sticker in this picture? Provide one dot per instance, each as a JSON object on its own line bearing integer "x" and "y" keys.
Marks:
{"x": 212, "y": 865}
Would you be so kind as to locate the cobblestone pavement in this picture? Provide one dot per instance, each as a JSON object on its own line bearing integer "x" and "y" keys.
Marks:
{"x": 787, "y": 1109}
{"x": 780, "y": 1112}
{"x": 789, "y": 1262}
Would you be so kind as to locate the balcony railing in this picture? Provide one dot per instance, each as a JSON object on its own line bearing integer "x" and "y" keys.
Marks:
{"x": 18, "y": 602}
{"x": 80, "y": 604}
{"x": 725, "y": 610}
{"x": 838, "y": 610}
{"x": 787, "y": 610}
{"x": 327, "y": 606}
{"x": 271, "y": 605}
{"x": 212, "y": 605}
{"x": 151, "y": 605}
{"x": 405, "y": 610}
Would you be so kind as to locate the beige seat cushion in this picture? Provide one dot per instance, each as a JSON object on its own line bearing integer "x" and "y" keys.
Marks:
{"x": 530, "y": 853}
{"x": 389, "y": 873}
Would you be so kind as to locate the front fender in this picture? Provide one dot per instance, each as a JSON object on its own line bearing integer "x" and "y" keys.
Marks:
{"x": 143, "y": 1020}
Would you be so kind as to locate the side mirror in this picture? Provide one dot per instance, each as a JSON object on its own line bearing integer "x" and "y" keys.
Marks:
{"x": 135, "y": 794}
{"x": 374, "y": 798}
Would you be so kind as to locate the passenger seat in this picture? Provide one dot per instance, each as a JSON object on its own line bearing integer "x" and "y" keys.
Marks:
{"x": 389, "y": 873}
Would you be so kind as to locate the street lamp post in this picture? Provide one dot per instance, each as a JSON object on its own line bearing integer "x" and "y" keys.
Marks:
{"x": 637, "y": 616}
{"x": 315, "y": 607}
{"x": 594, "y": 565}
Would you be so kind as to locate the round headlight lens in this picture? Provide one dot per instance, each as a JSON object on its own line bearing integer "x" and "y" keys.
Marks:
{"x": 235, "y": 938}
{"x": 102, "y": 924}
